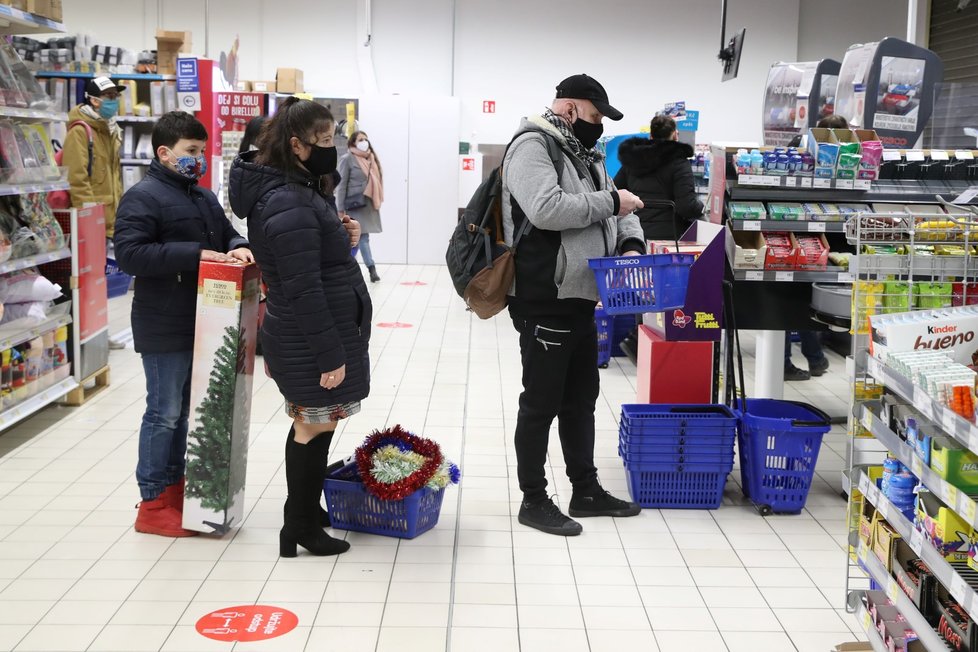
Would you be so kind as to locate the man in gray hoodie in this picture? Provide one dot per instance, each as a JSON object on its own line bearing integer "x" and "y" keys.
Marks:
{"x": 559, "y": 224}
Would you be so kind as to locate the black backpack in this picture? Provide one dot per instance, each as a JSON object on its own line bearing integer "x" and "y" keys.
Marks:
{"x": 478, "y": 259}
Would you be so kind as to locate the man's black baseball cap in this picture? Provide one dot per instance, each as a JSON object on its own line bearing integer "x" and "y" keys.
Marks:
{"x": 582, "y": 87}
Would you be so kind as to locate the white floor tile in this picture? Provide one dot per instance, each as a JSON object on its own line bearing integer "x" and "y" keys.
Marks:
{"x": 482, "y": 639}
{"x": 754, "y": 641}
{"x": 745, "y": 619}
{"x": 131, "y": 638}
{"x": 565, "y": 640}
{"x": 683, "y": 641}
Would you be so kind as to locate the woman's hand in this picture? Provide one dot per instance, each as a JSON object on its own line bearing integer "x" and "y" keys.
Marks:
{"x": 208, "y": 256}
{"x": 333, "y": 379}
{"x": 352, "y": 228}
{"x": 242, "y": 254}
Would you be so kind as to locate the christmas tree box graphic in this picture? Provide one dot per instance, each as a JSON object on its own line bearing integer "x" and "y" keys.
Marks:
{"x": 220, "y": 396}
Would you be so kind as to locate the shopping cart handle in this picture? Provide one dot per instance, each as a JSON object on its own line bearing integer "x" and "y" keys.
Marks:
{"x": 706, "y": 409}
{"x": 804, "y": 423}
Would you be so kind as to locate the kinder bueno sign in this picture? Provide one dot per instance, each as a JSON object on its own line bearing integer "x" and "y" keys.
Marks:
{"x": 950, "y": 331}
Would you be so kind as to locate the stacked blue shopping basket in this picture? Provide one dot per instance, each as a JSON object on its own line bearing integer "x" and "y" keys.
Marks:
{"x": 677, "y": 455}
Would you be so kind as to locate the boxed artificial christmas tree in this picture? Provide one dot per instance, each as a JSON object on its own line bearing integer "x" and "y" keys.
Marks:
{"x": 220, "y": 396}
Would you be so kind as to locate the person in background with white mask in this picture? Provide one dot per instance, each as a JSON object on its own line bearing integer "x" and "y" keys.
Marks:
{"x": 167, "y": 225}
{"x": 360, "y": 193}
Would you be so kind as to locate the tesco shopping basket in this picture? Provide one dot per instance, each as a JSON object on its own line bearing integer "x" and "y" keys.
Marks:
{"x": 779, "y": 444}
{"x": 632, "y": 285}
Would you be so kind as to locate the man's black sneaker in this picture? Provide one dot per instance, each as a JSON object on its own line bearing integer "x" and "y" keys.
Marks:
{"x": 547, "y": 517}
{"x": 818, "y": 368}
{"x": 601, "y": 503}
{"x": 791, "y": 372}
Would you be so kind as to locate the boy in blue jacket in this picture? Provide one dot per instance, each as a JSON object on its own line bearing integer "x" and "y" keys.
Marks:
{"x": 166, "y": 225}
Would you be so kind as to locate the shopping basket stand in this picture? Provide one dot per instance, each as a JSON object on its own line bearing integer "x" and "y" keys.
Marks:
{"x": 778, "y": 440}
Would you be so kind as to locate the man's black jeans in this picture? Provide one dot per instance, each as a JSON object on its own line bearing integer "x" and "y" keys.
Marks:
{"x": 560, "y": 379}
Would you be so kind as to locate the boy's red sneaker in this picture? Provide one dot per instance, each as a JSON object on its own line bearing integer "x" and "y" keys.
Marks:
{"x": 156, "y": 517}
{"x": 174, "y": 495}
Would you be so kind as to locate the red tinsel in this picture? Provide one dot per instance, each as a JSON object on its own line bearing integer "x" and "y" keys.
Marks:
{"x": 406, "y": 486}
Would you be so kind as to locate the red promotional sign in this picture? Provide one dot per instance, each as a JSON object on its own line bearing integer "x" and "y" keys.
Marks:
{"x": 468, "y": 164}
{"x": 247, "y": 623}
{"x": 489, "y": 106}
{"x": 394, "y": 324}
{"x": 93, "y": 311}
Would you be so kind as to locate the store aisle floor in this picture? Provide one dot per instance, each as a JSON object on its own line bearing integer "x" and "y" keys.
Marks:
{"x": 75, "y": 576}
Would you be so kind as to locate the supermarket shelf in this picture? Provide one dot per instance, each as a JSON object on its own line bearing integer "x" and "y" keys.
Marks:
{"x": 830, "y": 275}
{"x": 32, "y": 114}
{"x": 810, "y": 226}
{"x": 962, "y": 430}
{"x": 90, "y": 75}
{"x": 793, "y": 181}
{"x": 957, "y": 500}
{"x": 16, "y": 333}
{"x": 930, "y": 638}
{"x": 889, "y": 190}
{"x": 36, "y": 403}
{"x": 15, "y": 21}
{"x": 33, "y": 261}
{"x": 950, "y": 575}
{"x": 26, "y": 188}
{"x": 136, "y": 161}
{"x": 866, "y": 622}
{"x": 137, "y": 118}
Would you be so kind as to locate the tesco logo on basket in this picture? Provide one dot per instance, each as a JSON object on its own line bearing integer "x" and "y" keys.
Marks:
{"x": 632, "y": 260}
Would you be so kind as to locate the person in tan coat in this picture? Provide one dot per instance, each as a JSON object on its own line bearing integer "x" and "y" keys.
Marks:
{"x": 103, "y": 182}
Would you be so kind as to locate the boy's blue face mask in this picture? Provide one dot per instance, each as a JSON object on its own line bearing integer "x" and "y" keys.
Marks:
{"x": 108, "y": 109}
{"x": 192, "y": 167}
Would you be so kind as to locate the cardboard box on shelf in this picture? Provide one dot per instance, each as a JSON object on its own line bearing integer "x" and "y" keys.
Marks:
{"x": 945, "y": 530}
{"x": 290, "y": 80}
{"x": 782, "y": 251}
{"x": 884, "y": 539}
{"x": 18, "y": 4}
{"x": 954, "y": 463}
{"x": 750, "y": 250}
{"x": 156, "y": 97}
{"x": 264, "y": 87}
{"x": 242, "y": 85}
{"x": 812, "y": 252}
{"x": 50, "y": 9}
{"x": 914, "y": 578}
{"x": 825, "y": 148}
{"x": 953, "y": 622}
{"x": 168, "y": 46}
{"x": 220, "y": 396}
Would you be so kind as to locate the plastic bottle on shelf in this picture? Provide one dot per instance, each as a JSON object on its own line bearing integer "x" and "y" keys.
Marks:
{"x": 795, "y": 164}
{"x": 756, "y": 162}
{"x": 901, "y": 492}
{"x": 770, "y": 163}
{"x": 742, "y": 161}
{"x": 808, "y": 163}
{"x": 60, "y": 347}
{"x": 891, "y": 465}
{"x": 783, "y": 163}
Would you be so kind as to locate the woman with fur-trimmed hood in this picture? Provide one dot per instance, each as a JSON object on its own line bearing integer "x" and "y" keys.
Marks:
{"x": 658, "y": 168}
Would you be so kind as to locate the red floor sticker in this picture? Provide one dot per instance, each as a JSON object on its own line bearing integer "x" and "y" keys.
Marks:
{"x": 394, "y": 324}
{"x": 247, "y": 623}
{"x": 414, "y": 283}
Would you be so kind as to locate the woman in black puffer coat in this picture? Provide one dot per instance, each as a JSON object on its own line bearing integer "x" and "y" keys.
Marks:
{"x": 659, "y": 169}
{"x": 318, "y": 311}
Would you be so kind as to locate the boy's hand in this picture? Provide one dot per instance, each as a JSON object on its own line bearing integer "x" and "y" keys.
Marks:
{"x": 242, "y": 254}
{"x": 208, "y": 256}
{"x": 352, "y": 228}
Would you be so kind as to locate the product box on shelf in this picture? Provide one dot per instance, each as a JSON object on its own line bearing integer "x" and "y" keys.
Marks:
{"x": 220, "y": 396}
{"x": 825, "y": 148}
{"x": 849, "y": 153}
{"x": 747, "y": 210}
{"x": 812, "y": 252}
{"x": 953, "y": 623}
{"x": 750, "y": 250}
{"x": 786, "y": 211}
{"x": 782, "y": 251}
{"x": 264, "y": 87}
{"x": 290, "y": 80}
{"x": 169, "y": 45}
{"x": 946, "y": 531}
{"x": 956, "y": 464}
{"x": 669, "y": 247}
{"x": 871, "y": 155}
{"x": 919, "y": 433}
{"x": 952, "y": 331}
{"x": 915, "y": 579}
{"x": 50, "y": 9}
{"x": 884, "y": 539}
{"x": 867, "y": 518}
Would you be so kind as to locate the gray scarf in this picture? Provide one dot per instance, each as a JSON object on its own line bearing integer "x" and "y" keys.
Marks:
{"x": 587, "y": 156}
